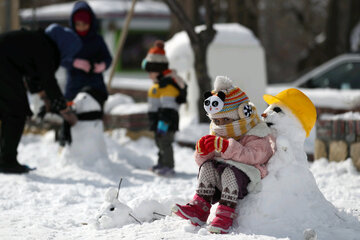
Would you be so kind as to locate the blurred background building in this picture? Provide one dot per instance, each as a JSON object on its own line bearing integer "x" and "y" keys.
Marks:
{"x": 297, "y": 35}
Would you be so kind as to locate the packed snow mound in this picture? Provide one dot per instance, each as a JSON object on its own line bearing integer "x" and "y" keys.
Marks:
{"x": 115, "y": 100}
{"x": 290, "y": 203}
{"x": 120, "y": 104}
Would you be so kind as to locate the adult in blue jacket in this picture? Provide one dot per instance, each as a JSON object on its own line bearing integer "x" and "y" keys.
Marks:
{"x": 94, "y": 57}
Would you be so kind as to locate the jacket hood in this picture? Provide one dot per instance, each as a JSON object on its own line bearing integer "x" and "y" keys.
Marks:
{"x": 82, "y": 5}
{"x": 66, "y": 40}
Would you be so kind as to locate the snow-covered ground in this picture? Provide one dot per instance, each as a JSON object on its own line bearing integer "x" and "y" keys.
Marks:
{"x": 62, "y": 201}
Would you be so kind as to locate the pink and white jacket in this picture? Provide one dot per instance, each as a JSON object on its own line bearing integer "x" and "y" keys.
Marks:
{"x": 254, "y": 149}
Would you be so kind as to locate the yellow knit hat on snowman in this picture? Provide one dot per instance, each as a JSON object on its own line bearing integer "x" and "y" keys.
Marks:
{"x": 299, "y": 104}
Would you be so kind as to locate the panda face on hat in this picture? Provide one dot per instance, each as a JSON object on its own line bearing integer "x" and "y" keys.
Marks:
{"x": 214, "y": 103}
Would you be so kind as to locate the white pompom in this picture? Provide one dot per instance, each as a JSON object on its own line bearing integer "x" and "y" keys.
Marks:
{"x": 222, "y": 83}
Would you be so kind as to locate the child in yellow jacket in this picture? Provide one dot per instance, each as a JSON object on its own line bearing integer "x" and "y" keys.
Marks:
{"x": 164, "y": 99}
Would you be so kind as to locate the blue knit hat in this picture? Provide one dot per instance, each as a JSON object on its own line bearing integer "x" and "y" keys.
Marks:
{"x": 66, "y": 40}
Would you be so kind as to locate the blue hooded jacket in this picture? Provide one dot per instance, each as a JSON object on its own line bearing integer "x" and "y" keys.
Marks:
{"x": 94, "y": 50}
{"x": 67, "y": 41}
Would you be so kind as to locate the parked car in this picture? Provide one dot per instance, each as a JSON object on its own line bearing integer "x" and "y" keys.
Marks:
{"x": 333, "y": 87}
{"x": 342, "y": 72}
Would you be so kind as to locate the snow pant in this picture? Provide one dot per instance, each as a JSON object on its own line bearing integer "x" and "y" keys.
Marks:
{"x": 221, "y": 182}
{"x": 164, "y": 144}
{"x": 11, "y": 129}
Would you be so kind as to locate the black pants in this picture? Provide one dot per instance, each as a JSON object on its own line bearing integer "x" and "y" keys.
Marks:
{"x": 164, "y": 143}
{"x": 11, "y": 129}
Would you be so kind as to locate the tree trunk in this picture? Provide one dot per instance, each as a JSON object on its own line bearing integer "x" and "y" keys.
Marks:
{"x": 245, "y": 12}
{"x": 201, "y": 70}
{"x": 343, "y": 16}
{"x": 199, "y": 43}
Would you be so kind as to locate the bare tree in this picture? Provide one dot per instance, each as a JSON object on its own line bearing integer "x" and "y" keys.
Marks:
{"x": 199, "y": 43}
{"x": 341, "y": 18}
{"x": 245, "y": 12}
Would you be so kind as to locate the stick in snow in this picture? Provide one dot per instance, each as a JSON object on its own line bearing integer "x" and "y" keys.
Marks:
{"x": 117, "y": 195}
{"x": 135, "y": 218}
{"x": 162, "y": 215}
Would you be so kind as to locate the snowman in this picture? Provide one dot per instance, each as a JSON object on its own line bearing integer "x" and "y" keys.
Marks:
{"x": 290, "y": 203}
{"x": 88, "y": 143}
{"x": 113, "y": 213}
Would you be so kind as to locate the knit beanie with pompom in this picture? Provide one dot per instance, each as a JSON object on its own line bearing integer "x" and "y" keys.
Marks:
{"x": 230, "y": 98}
{"x": 155, "y": 60}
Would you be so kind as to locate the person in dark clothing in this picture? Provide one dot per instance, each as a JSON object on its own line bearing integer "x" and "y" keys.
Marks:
{"x": 85, "y": 71}
{"x": 164, "y": 99}
{"x": 33, "y": 56}
{"x": 94, "y": 57}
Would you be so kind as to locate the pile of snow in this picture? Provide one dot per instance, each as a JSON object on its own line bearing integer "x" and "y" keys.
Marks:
{"x": 327, "y": 98}
{"x": 334, "y": 98}
{"x": 121, "y": 104}
{"x": 343, "y": 116}
{"x": 138, "y": 82}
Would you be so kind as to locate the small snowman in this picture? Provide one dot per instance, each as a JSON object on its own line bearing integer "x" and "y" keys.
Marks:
{"x": 88, "y": 142}
{"x": 113, "y": 213}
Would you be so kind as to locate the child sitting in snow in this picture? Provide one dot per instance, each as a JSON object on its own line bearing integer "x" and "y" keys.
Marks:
{"x": 232, "y": 159}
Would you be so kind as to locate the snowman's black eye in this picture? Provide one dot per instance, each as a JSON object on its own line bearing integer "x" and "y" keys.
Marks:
{"x": 215, "y": 103}
{"x": 112, "y": 209}
{"x": 207, "y": 102}
{"x": 277, "y": 109}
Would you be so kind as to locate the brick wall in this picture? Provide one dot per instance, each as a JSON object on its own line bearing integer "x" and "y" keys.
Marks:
{"x": 132, "y": 122}
{"x": 338, "y": 140}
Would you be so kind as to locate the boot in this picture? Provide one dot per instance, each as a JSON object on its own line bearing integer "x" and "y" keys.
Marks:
{"x": 223, "y": 220}
{"x": 197, "y": 211}
{"x": 15, "y": 168}
{"x": 10, "y": 134}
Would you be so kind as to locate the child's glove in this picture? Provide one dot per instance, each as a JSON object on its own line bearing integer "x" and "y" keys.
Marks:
{"x": 82, "y": 64}
{"x": 162, "y": 127}
{"x": 210, "y": 143}
{"x": 99, "y": 67}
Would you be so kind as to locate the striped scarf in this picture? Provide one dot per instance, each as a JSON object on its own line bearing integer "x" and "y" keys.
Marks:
{"x": 236, "y": 129}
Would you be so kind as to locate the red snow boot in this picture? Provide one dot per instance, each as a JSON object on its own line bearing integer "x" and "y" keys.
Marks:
{"x": 223, "y": 220}
{"x": 197, "y": 211}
